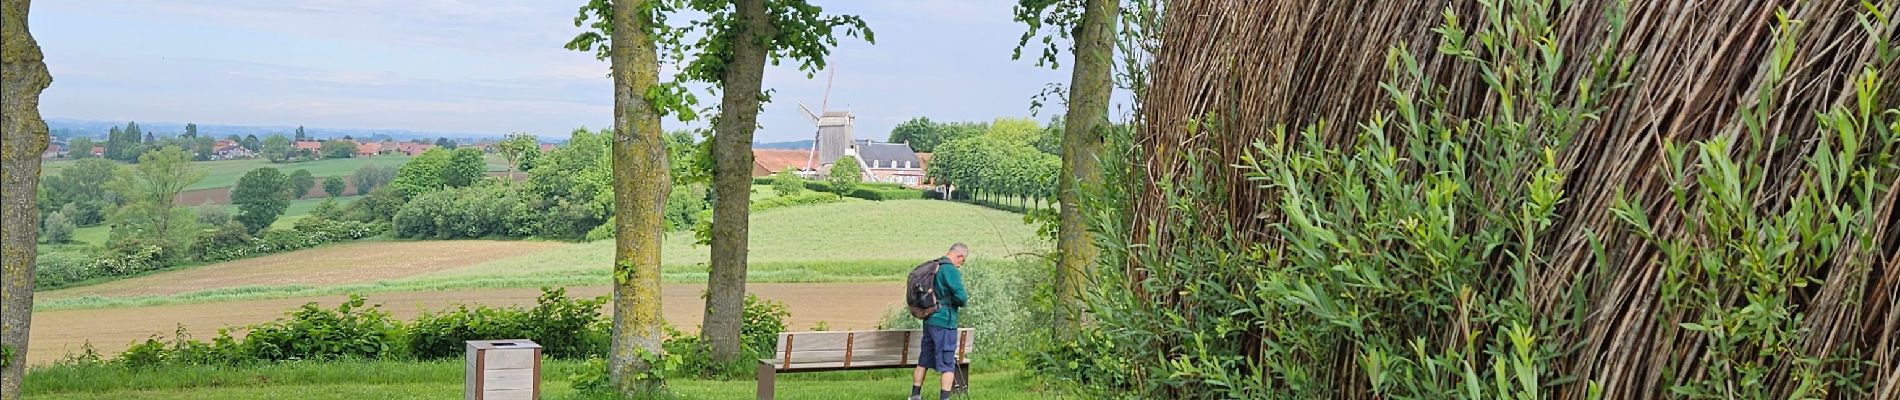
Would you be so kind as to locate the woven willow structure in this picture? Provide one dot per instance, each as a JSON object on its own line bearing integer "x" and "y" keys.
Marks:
{"x": 1237, "y": 69}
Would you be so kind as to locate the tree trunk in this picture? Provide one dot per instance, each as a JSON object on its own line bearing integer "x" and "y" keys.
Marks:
{"x": 22, "y": 137}
{"x": 641, "y": 185}
{"x": 1082, "y": 138}
{"x": 732, "y": 180}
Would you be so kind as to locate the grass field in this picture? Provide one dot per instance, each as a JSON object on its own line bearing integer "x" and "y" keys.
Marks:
{"x": 97, "y": 234}
{"x": 443, "y": 380}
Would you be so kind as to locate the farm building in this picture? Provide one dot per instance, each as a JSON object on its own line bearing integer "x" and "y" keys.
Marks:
{"x": 766, "y": 162}
{"x": 413, "y": 148}
{"x": 229, "y": 150}
{"x": 368, "y": 149}
{"x": 888, "y": 162}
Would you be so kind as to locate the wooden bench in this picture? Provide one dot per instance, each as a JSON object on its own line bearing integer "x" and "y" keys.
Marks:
{"x": 854, "y": 350}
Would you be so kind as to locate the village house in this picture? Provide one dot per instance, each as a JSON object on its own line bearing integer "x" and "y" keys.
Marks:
{"x": 888, "y": 162}
{"x": 310, "y": 147}
{"x": 229, "y": 150}
{"x": 54, "y": 150}
{"x": 413, "y": 149}
{"x": 368, "y": 149}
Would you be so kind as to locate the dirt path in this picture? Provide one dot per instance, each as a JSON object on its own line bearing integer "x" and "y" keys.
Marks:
{"x": 57, "y": 333}
{"x": 324, "y": 266}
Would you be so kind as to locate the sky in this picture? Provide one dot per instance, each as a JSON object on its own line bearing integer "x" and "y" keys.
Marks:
{"x": 488, "y": 66}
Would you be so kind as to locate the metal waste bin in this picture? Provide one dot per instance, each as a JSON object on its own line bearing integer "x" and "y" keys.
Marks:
{"x": 502, "y": 370}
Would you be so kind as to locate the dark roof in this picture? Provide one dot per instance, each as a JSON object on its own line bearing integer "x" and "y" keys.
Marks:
{"x": 888, "y": 154}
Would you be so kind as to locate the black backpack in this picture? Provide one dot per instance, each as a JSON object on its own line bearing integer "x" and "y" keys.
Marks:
{"x": 920, "y": 290}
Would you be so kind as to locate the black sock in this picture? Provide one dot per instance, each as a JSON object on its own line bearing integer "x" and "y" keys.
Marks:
{"x": 943, "y": 395}
{"x": 916, "y": 390}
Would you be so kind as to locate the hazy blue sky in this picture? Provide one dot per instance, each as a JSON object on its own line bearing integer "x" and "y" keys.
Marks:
{"x": 484, "y": 66}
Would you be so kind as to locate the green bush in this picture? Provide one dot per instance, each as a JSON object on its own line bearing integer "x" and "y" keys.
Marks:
{"x": 57, "y": 229}
{"x": 845, "y": 175}
{"x": 466, "y": 213}
{"x": 683, "y": 206}
{"x": 763, "y": 321}
{"x": 129, "y": 260}
{"x": 1008, "y": 308}
{"x": 786, "y": 183}
{"x": 314, "y": 332}
{"x": 876, "y": 194}
{"x": 229, "y": 241}
{"x": 566, "y": 328}
{"x": 57, "y": 269}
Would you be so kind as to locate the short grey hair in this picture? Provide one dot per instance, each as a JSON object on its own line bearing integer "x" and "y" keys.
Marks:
{"x": 960, "y": 248}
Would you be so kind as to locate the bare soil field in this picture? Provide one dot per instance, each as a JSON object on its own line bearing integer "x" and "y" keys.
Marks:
{"x": 57, "y": 333}
{"x": 323, "y": 266}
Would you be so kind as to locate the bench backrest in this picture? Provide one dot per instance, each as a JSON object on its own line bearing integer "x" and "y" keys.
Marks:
{"x": 858, "y": 349}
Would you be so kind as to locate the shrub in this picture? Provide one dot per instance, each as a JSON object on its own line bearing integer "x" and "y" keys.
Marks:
{"x": 57, "y": 229}
{"x": 59, "y": 268}
{"x": 786, "y": 183}
{"x": 567, "y": 220}
{"x": 224, "y": 242}
{"x": 566, "y": 328}
{"x": 845, "y": 175}
{"x": 129, "y": 260}
{"x": 314, "y": 332}
{"x": 876, "y": 194}
{"x": 300, "y": 182}
{"x": 380, "y": 205}
{"x": 684, "y": 205}
{"x": 763, "y": 321}
{"x": 795, "y": 200}
{"x": 334, "y": 185}
{"x": 466, "y": 213}
{"x": 213, "y": 215}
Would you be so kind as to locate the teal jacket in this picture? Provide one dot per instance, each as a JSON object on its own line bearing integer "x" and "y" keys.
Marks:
{"x": 950, "y": 295}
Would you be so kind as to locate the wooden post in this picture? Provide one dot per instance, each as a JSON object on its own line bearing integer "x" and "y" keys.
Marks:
{"x": 768, "y": 381}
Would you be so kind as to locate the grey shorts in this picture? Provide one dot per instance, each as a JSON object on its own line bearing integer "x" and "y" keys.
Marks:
{"x": 940, "y": 349}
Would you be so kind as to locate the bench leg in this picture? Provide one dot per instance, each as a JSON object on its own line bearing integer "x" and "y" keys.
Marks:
{"x": 963, "y": 379}
{"x": 768, "y": 381}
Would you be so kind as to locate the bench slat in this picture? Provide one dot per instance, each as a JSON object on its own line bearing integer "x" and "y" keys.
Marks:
{"x": 835, "y": 340}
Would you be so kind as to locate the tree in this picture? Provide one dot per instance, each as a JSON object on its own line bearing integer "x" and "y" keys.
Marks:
{"x": 465, "y": 168}
{"x": 79, "y": 148}
{"x": 83, "y": 185}
{"x": 370, "y": 177}
{"x": 56, "y": 229}
{"x": 300, "y": 135}
{"x": 251, "y": 143}
{"x": 515, "y": 148}
{"x": 191, "y": 130}
{"x": 23, "y": 136}
{"x": 641, "y": 185}
{"x": 787, "y": 183}
{"x": 151, "y": 214}
{"x": 338, "y": 149}
{"x": 202, "y": 147}
{"x": 277, "y": 148}
{"x": 845, "y": 175}
{"x": 422, "y": 174}
{"x": 742, "y": 35}
{"x": 445, "y": 143}
{"x": 1090, "y": 85}
{"x": 260, "y": 196}
{"x": 114, "y": 143}
{"x": 300, "y": 182}
{"x": 334, "y": 185}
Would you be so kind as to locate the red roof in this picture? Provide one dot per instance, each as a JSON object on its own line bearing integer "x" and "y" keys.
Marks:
{"x": 770, "y": 161}
{"x": 309, "y": 145}
{"x": 547, "y": 147}
{"x": 368, "y": 148}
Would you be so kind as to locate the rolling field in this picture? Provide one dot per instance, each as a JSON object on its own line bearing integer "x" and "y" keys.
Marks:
{"x": 841, "y": 263}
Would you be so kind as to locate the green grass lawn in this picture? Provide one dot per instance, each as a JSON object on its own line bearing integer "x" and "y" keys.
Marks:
{"x": 443, "y": 380}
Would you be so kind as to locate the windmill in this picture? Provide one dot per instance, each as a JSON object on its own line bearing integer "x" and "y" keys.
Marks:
{"x": 833, "y": 134}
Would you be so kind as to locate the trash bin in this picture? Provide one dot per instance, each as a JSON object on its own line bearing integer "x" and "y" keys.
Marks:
{"x": 502, "y": 370}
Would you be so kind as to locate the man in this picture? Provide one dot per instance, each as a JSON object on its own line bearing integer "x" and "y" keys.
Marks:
{"x": 940, "y": 329}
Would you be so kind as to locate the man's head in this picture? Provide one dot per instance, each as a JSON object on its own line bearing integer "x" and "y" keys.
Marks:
{"x": 958, "y": 252}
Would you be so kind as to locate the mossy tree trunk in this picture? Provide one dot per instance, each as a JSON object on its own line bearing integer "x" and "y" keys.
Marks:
{"x": 732, "y": 179}
{"x": 641, "y": 185}
{"x": 22, "y": 137}
{"x": 1082, "y": 137}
